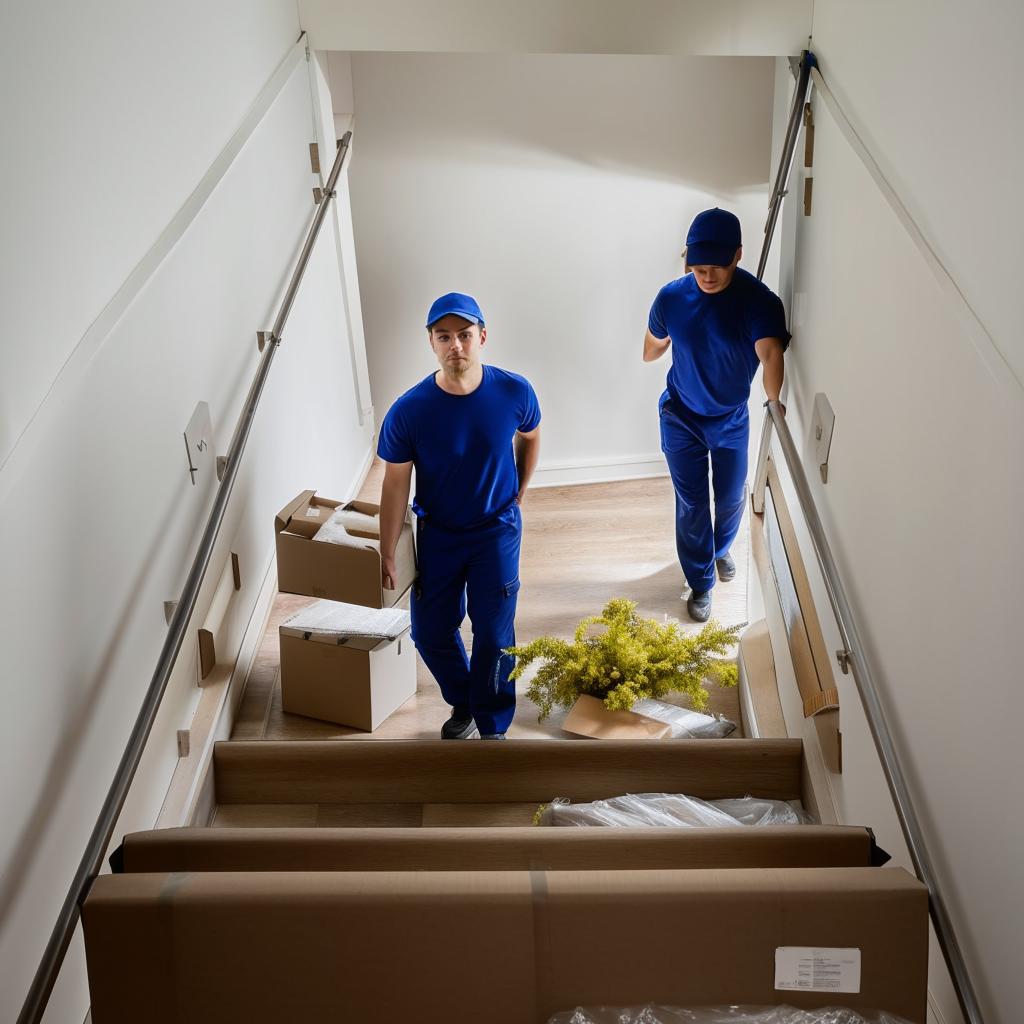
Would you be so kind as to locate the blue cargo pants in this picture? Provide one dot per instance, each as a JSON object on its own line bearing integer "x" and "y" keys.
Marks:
{"x": 475, "y": 570}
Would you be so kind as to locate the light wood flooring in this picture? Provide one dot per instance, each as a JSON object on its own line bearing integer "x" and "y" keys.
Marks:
{"x": 582, "y": 546}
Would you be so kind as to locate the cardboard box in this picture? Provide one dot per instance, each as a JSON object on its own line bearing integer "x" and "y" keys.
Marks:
{"x": 491, "y": 847}
{"x": 347, "y": 678}
{"x": 589, "y": 717}
{"x": 334, "y": 571}
{"x": 379, "y": 946}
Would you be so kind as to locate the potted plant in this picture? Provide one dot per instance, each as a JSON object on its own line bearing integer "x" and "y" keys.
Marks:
{"x": 629, "y": 659}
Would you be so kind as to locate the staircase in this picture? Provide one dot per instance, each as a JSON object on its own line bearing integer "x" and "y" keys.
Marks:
{"x": 420, "y": 890}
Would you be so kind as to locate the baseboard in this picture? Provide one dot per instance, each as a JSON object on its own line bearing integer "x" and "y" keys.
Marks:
{"x": 361, "y": 474}
{"x": 599, "y": 470}
{"x": 222, "y": 693}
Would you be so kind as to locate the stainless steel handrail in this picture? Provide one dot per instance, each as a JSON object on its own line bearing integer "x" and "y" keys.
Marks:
{"x": 92, "y": 860}
{"x": 853, "y": 659}
{"x": 781, "y": 186}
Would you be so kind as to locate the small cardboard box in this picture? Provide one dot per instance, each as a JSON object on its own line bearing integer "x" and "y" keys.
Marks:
{"x": 337, "y": 572}
{"x": 589, "y": 717}
{"x": 347, "y": 678}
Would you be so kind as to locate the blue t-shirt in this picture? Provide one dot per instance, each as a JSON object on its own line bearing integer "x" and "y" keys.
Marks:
{"x": 461, "y": 446}
{"x": 713, "y": 357}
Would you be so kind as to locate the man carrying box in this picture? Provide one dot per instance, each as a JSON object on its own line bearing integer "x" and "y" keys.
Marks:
{"x": 472, "y": 432}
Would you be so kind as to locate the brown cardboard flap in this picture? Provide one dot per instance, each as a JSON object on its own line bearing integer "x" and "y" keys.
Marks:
{"x": 589, "y": 717}
{"x": 825, "y": 700}
{"x": 485, "y": 844}
{"x": 439, "y": 771}
{"x": 283, "y": 518}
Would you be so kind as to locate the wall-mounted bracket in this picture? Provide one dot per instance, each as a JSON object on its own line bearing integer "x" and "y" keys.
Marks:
{"x": 169, "y": 609}
{"x": 199, "y": 441}
{"x": 843, "y": 657}
{"x": 314, "y": 157}
{"x": 262, "y": 337}
{"x": 823, "y": 421}
{"x": 184, "y": 742}
{"x": 808, "y": 136}
{"x": 222, "y": 464}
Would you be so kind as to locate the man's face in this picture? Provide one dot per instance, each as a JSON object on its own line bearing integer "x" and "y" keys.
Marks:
{"x": 711, "y": 279}
{"x": 456, "y": 343}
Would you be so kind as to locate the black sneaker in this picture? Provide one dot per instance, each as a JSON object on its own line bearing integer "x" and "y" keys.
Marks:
{"x": 698, "y": 604}
{"x": 726, "y": 568}
{"x": 458, "y": 727}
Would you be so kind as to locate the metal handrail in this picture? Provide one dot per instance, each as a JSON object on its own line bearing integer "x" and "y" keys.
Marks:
{"x": 853, "y": 659}
{"x": 92, "y": 859}
{"x": 781, "y": 187}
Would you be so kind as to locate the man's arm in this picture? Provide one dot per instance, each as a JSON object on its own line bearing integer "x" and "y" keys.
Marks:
{"x": 527, "y": 448}
{"x": 655, "y": 348}
{"x": 394, "y": 500}
{"x": 770, "y": 352}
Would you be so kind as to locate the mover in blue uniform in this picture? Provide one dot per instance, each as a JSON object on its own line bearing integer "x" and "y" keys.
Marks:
{"x": 721, "y": 323}
{"x": 472, "y": 432}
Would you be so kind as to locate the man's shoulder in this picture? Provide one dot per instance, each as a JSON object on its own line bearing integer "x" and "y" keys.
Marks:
{"x": 420, "y": 391}
{"x": 754, "y": 289}
{"x": 507, "y": 378}
{"x": 681, "y": 286}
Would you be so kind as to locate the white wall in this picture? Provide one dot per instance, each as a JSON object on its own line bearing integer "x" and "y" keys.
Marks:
{"x": 926, "y": 480}
{"x": 102, "y": 519}
{"x": 557, "y": 190}
{"x": 727, "y": 28}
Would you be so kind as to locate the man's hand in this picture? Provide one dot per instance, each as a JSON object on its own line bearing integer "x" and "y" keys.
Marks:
{"x": 388, "y": 572}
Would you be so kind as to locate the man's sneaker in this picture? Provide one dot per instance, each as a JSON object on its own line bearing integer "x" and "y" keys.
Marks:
{"x": 726, "y": 568}
{"x": 492, "y": 735}
{"x": 699, "y": 605}
{"x": 458, "y": 728}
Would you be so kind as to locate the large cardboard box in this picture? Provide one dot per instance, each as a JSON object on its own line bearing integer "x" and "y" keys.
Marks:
{"x": 338, "y": 572}
{"x": 379, "y": 946}
{"x": 350, "y": 677}
{"x": 589, "y": 717}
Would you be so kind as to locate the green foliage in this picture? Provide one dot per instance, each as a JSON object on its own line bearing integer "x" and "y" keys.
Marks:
{"x": 630, "y": 659}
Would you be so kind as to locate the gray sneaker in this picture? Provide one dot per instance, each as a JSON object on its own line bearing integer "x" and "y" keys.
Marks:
{"x": 699, "y": 605}
{"x": 458, "y": 728}
{"x": 492, "y": 735}
{"x": 726, "y": 568}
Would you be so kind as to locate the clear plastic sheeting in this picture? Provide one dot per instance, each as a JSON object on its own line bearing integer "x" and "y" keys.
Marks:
{"x": 336, "y": 620}
{"x": 336, "y": 529}
{"x": 685, "y": 723}
{"x": 723, "y": 1015}
{"x": 672, "y": 810}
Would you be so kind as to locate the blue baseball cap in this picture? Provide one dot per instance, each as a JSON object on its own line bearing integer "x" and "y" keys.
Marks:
{"x": 713, "y": 238}
{"x": 457, "y": 303}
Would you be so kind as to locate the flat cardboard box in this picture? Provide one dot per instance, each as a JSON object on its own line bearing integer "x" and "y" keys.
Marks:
{"x": 357, "y": 681}
{"x": 484, "y": 844}
{"x": 589, "y": 717}
{"x": 334, "y": 571}
{"x": 379, "y": 946}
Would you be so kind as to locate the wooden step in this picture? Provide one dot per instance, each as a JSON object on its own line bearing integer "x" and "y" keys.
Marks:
{"x": 501, "y": 946}
{"x": 515, "y": 772}
{"x": 508, "y": 849}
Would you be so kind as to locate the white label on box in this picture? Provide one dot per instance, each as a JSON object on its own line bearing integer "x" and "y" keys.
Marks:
{"x": 312, "y": 512}
{"x": 815, "y": 969}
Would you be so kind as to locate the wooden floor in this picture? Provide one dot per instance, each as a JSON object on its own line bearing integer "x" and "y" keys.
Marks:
{"x": 582, "y": 546}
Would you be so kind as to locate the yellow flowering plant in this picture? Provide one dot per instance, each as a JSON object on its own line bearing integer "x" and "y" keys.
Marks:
{"x": 632, "y": 658}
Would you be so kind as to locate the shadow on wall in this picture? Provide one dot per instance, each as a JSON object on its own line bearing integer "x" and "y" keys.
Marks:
{"x": 712, "y": 115}
{"x": 78, "y": 720}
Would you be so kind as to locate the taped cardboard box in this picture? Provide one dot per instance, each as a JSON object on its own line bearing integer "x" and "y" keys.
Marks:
{"x": 589, "y": 717}
{"x": 338, "y": 572}
{"x": 334, "y": 945}
{"x": 352, "y": 676}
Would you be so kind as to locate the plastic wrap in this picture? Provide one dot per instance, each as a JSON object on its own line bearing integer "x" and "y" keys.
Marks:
{"x": 685, "y": 723}
{"x": 335, "y": 619}
{"x": 722, "y": 1015}
{"x": 336, "y": 529}
{"x": 672, "y": 810}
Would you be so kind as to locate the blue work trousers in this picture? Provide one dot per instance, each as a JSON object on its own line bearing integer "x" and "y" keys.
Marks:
{"x": 476, "y": 569}
{"x": 687, "y": 442}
